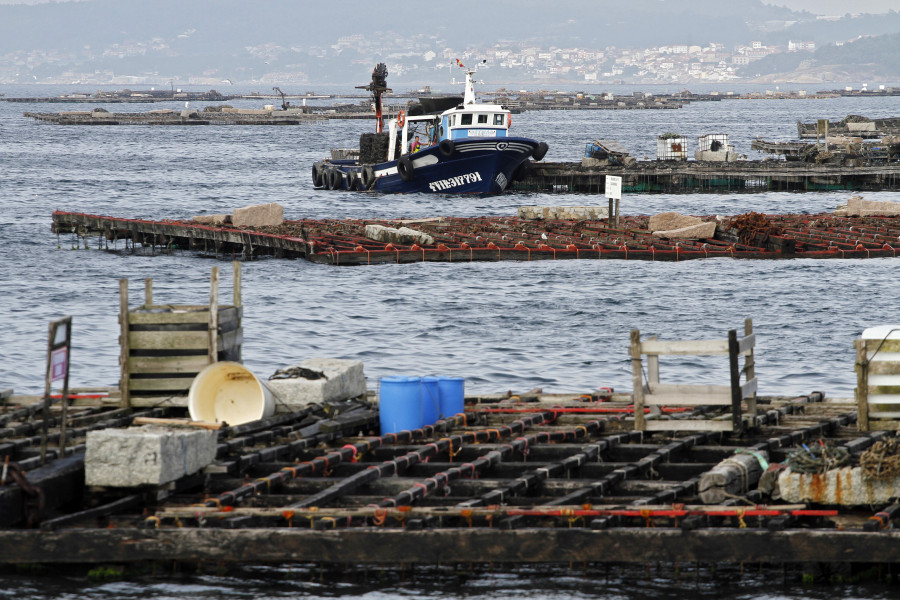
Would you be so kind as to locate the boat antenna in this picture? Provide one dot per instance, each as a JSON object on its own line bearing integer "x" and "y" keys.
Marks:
{"x": 378, "y": 86}
{"x": 469, "y": 94}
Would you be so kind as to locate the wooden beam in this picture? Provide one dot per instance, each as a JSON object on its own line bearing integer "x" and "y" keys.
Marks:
{"x": 213, "y": 333}
{"x": 862, "y": 386}
{"x": 636, "y": 379}
{"x": 124, "y": 345}
{"x": 736, "y": 396}
{"x": 638, "y": 545}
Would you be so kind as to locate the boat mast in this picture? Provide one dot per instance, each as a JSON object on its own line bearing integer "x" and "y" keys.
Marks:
{"x": 377, "y": 86}
{"x": 469, "y": 94}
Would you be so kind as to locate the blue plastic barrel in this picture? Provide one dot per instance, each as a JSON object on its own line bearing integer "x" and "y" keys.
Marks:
{"x": 431, "y": 400}
{"x": 400, "y": 404}
{"x": 452, "y": 394}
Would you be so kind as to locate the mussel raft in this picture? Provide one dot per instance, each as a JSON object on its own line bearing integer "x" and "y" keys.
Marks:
{"x": 515, "y": 479}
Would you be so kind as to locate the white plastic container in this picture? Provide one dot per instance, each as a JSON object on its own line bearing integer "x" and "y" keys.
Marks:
{"x": 884, "y": 406}
{"x": 671, "y": 148}
{"x": 227, "y": 392}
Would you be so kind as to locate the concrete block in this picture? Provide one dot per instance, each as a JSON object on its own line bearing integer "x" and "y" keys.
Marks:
{"x": 216, "y": 220}
{"x": 403, "y": 235}
{"x": 344, "y": 379}
{"x": 568, "y": 213}
{"x": 691, "y": 232}
{"x": 258, "y": 215}
{"x": 149, "y": 455}
{"x": 842, "y": 487}
{"x": 668, "y": 221}
{"x": 857, "y": 206}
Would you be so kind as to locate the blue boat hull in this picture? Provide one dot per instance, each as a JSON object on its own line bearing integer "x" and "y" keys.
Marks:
{"x": 476, "y": 166}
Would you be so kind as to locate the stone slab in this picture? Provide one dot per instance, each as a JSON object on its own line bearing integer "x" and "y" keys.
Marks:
{"x": 857, "y": 206}
{"x": 149, "y": 455}
{"x": 841, "y": 487}
{"x": 403, "y": 235}
{"x": 669, "y": 221}
{"x": 344, "y": 379}
{"x": 216, "y": 220}
{"x": 258, "y": 215}
{"x": 691, "y": 232}
{"x": 567, "y": 213}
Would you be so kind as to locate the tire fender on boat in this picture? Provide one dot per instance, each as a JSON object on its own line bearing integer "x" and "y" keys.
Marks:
{"x": 447, "y": 147}
{"x": 317, "y": 173}
{"x": 367, "y": 175}
{"x": 540, "y": 151}
{"x": 405, "y": 168}
{"x": 352, "y": 181}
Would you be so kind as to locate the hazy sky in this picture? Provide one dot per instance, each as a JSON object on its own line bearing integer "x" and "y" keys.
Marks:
{"x": 819, "y": 7}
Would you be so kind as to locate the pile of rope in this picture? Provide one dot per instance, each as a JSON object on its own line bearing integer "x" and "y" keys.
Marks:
{"x": 297, "y": 373}
{"x": 819, "y": 459}
{"x": 882, "y": 460}
{"x": 748, "y": 225}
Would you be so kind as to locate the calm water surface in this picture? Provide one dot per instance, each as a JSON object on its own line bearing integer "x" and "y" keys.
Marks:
{"x": 561, "y": 326}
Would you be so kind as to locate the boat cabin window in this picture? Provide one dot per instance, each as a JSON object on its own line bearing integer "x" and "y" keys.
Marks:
{"x": 498, "y": 119}
{"x": 465, "y": 119}
{"x": 482, "y": 119}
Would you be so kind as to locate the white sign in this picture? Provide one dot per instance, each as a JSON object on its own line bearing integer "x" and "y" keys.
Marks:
{"x": 59, "y": 364}
{"x": 482, "y": 133}
{"x": 614, "y": 187}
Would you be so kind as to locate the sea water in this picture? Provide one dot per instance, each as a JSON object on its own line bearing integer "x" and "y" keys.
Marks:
{"x": 562, "y": 326}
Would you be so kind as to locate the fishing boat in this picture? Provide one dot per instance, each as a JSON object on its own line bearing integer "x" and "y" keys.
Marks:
{"x": 464, "y": 149}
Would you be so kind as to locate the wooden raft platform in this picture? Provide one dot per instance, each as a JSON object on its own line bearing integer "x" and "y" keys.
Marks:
{"x": 343, "y": 242}
{"x": 704, "y": 176}
{"x": 512, "y": 480}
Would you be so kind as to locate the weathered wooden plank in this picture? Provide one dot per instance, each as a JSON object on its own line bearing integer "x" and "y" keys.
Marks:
{"x": 688, "y": 425}
{"x": 159, "y": 401}
{"x": 688, "y": 399}
{"x": 181, "y": 340}
{"x": 881, "y": 346}
{"x": 862, "y": 386}
{"x": 891, "y": 390}
{"x": 166, "y": 364}
{"x": 442, "y": 546}
{"x": 880, "y": 367}
{"x": 749, "y": 388}
{"x": 699, "y": 347}
{"x": 167, "y": 384}
{"x": 182, "y": 315}
{"x": 689, "y": 388}
{"x": 747, "y": 343}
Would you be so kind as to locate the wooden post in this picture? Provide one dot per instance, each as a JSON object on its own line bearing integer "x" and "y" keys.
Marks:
{"x": 236, "y": 266}
{"x": 214, "y": 316}
{"x": 611, "y": 214}
{"x": 733, "y": 354}
{"x": 636, "y": 379}
{"x": 617, "y": 213}
{"x": 750, "y": 366}
{"x": 862, "y": 386}
{"x": 125, "y": 398}
{"x": 652, "y": 367}
{"x": 148, "y": 292}
{"x": 57, "y": 345}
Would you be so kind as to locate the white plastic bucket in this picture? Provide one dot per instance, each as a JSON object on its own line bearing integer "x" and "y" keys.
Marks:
{"x": 227, "y": 392}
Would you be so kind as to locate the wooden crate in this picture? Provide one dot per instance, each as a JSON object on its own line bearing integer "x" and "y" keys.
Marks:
{"x": 677, "y": 394}
{"x": 164, "y": 346}
{"x": 876, "y": 360}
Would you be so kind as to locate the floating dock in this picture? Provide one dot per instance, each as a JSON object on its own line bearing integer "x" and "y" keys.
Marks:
{"x": 344, "y": 242}
{"x": 175, "y": 117}
{"x": 704, "y": 176}
{"x": 514, "y": 479}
